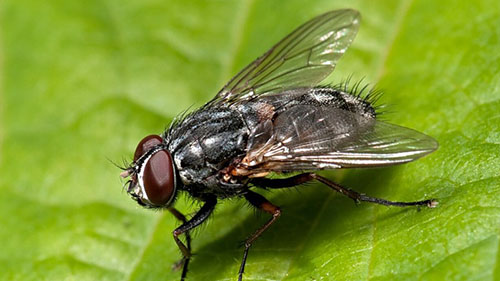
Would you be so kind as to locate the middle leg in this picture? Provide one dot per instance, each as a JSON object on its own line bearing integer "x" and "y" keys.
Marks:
{"x": 261, "y": 203}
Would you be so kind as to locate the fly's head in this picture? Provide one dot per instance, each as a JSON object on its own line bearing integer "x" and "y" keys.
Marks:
{"x": 152, "y": 174}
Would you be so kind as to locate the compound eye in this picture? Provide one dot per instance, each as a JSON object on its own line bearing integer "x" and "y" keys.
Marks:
{"x": 146, "y": 144}
{"x": 159, "y": 178}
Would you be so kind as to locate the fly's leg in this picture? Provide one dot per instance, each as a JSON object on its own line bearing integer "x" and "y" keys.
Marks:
{"x": 178, "y": 215}
{"x": 356, "y": 196}
{"x": 260, "y": 202}
{"x": 196, "y": 220}
{"x": 282, "y": 183}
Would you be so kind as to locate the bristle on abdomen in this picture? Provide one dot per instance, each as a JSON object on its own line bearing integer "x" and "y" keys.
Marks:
{"x": 354, "y": 100}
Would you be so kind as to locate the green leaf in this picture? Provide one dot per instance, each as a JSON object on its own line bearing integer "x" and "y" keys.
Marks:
{"x": 84, "y": 81}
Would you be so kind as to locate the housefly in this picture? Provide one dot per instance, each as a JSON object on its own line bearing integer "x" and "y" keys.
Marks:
{"x": 272, "y": 117}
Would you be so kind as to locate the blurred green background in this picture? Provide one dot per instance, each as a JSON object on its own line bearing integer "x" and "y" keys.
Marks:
{"x": 83, "y": 81}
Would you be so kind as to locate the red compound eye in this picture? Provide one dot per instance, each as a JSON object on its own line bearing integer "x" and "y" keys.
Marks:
{"x": 158, "y": 178}
{"x": 146, "y": 144}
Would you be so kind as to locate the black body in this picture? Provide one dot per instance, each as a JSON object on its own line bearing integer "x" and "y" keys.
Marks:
{"x": 272, "y": 117}
{"x": 210, "y": 139}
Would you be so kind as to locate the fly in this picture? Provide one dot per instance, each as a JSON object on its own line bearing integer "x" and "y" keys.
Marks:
{"x": 272, "y": 117}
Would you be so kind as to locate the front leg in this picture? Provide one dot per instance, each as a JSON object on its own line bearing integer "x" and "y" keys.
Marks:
{"x": 178, "y": 215}
{"x": 196, "y": 220}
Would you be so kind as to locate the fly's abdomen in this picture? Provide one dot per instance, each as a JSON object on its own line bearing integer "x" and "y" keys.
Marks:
{"x": 342, "y": 99}
{"x": 333, "y": 97}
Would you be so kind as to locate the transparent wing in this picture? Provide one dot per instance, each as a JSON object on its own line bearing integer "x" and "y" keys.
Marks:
{"x": 308, "y": 137}
{"x": 302, "y": 59}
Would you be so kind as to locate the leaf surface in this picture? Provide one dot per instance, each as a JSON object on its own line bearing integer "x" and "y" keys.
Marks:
{"x": 82, "y": 83}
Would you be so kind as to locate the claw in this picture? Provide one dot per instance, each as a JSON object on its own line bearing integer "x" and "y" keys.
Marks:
{"x": 432, "y": 203}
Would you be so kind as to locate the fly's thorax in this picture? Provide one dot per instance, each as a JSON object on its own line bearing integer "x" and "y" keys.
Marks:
{"x": 153, "y": 174}
{"x": 205, "y": 142}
